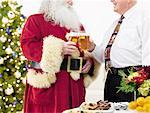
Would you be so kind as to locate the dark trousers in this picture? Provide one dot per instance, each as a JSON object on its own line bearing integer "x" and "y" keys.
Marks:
{"x": 110, "y": 91}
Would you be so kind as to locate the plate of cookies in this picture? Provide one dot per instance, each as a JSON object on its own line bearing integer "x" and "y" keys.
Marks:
{"x": 93, "y": 107}
{"x": 97, "y": 107}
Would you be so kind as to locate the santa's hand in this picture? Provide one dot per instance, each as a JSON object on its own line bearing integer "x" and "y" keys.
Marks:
{"x": 70, "y": 48}
{"x": 86, "y": 68}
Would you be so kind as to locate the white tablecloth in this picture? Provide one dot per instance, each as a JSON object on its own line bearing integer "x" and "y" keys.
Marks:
{"x": 123, "y": 111}
{"x": 112, "y": 109}
{"x": 120, "y": 111}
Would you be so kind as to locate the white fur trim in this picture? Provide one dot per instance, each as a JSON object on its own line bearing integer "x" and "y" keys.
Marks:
{"x": 52, "y": 54}
{"x": 40, "y": 80}
{"x": 24, "y": 80}
{"x": 75, "y": 75}
{"x": 89, "y": 79}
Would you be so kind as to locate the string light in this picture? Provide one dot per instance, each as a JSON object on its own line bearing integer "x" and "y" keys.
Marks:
{"x": 14, "y": 82}
{"x": 7, "y": 69}
{"x": 1, "y": 60}
{"x": 4, "y": 47}
{"x": 18, "y": 81}
{"x": 12, "y": 109}
{"x": 17, "y": 85}
{"x": 14, "y": 98}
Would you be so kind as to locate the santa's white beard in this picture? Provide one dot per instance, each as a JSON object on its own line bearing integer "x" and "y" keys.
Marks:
{"x": 61, "y": 14}
{"x": 68, "y": 18}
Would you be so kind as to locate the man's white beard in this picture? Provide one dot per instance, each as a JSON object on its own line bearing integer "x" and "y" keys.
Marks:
{"x": 62, "y": 15}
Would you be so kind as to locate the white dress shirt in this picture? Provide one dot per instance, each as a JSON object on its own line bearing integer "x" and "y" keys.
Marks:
{"x": 132, "y": 44}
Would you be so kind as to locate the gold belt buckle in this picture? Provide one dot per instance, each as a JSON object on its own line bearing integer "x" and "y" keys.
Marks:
{"x": 74, "y": 64}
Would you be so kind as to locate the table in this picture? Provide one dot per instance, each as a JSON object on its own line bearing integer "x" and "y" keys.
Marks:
{"x": 120, "y": 111}
{"x": 125, "y": 111}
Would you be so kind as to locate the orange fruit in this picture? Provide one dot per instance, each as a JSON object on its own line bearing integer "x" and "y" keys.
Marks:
{"x": 139, "y": 109}
{"x": 132, "y": 105}
{"x": 146, "y": 108}
{"x": 140, "y": 101}
{"x": 147, "y": 99}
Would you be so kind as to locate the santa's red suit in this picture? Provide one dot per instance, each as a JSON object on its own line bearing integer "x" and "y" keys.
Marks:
{"x": 49, "y": 89}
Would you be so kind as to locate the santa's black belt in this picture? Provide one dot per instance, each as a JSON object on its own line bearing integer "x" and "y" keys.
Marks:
{"x": 74, "y": 64}
{"x": 114, "y": 70}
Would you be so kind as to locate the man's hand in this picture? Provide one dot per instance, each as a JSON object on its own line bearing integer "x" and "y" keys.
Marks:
{"x": 91, "y": 45}
{"x": 87, "y": 66}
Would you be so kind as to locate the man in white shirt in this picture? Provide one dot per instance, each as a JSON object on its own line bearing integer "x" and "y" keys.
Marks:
{"x": 129, "y": 48}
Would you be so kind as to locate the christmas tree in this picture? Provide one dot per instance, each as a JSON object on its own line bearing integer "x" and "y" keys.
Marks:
{"x": 12, "y": 62}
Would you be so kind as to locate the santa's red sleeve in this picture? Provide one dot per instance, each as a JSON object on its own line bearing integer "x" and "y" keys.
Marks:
{"x": 31, "y": 40}
{"x": 41, "y": 49}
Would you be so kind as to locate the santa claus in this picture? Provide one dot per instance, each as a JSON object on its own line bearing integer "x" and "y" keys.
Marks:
{"x": 50, "y": 88}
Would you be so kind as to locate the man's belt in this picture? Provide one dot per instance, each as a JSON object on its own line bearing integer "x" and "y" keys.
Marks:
{"x": 68, "y": 63}
{"x": 114, "y": 70}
